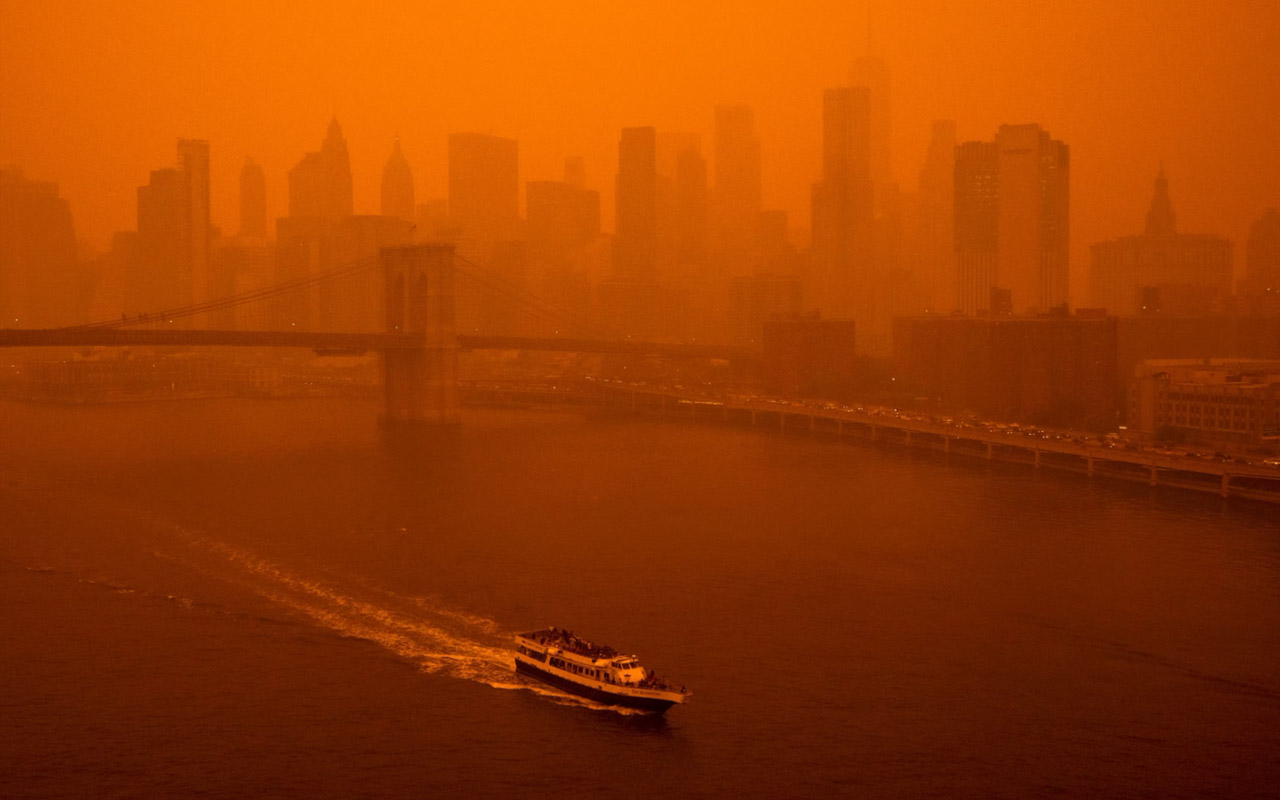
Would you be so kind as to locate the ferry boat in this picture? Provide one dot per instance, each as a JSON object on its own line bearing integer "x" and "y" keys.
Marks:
{"x": 597, "y": 672}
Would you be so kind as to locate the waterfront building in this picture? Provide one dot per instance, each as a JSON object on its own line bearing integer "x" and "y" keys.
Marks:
{"x": 1210, "y": 401}
{"x": 1053, "y": 370}
{"x": 807, "y": 355}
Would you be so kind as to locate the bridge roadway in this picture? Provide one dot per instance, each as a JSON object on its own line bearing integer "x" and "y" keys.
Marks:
{"x": 129, "y": 337}
{"x": 1227, "y": 479}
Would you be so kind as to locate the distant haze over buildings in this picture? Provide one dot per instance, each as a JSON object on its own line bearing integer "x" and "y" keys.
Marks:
{"x": 95, "y": 96}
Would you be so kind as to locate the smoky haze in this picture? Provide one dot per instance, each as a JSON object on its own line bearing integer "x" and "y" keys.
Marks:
{"x": 94, "y": 96}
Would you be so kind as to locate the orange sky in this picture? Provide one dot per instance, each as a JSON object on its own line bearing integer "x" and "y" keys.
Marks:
{"x": 94, "y": 95}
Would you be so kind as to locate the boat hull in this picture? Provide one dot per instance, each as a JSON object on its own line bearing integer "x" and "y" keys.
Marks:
{"x": 654, "y": 704}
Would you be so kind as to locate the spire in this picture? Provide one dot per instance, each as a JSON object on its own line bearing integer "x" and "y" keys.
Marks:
{"x": 333, "y": 141}
{"x": 1160, "y": 217}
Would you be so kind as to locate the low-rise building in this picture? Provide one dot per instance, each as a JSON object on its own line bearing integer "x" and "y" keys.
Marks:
{"x": 1209, "y": 401}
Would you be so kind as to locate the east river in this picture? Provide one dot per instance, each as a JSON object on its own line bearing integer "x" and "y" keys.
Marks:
{"x": 235, "y": 598}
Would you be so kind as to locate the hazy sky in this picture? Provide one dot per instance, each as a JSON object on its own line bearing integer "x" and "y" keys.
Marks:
{"x": 93, "y": 95}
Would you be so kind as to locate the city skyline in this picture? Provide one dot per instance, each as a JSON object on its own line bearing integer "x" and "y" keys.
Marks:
{"x": 1121, "y": 110}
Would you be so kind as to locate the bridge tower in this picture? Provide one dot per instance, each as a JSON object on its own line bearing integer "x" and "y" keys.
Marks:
{"x": 421, "y": 384}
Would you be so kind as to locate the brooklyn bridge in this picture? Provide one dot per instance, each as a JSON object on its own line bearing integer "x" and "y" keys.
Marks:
{"x": 419, "y": 342}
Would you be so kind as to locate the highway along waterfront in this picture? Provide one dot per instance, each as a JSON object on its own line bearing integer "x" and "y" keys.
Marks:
{"x": 1110, "y": 457}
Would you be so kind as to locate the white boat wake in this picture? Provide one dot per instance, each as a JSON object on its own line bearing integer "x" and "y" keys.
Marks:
{"x": 438, "y": 639}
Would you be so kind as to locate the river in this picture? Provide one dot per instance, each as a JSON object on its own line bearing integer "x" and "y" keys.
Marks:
{"x": 233, "y": 598}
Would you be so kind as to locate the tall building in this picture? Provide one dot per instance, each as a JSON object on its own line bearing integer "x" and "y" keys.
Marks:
{"x": 484, "y": 192}
{"x": 1262, "y": 264}
{"x": 307, "y": 240}
{"x": 1161, "y": 270}
{"x": 1011, "y": 222}
{"x": 843, "y": 236}
{"x": 158, "y": 279}
{"x": 253, "y": 200}
{"x": 635, "y": 239}
{"x": 681, "y": 196}
{"x": 934, "y": 255}
{"x": 320, "y": 184}
{"x": 562, "y": 216}
{"x": 736, "y": 195}
{"x": 37, "y": 254}
{"x": 873, "y": 75}
{"x": 563, "y": 229}
{"x": 397, "y": 186}
{"x": 193, "y": 165}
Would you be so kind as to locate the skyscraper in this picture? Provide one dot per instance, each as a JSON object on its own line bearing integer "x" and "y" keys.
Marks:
{"x": 933, "y": 241}
{"x": 873, "y": 74}
{"x": 1011, "y": 222}
{"x": 158, "y": 278}
{"x": 253, "y": 200}
{"x": 682, "y": 206}
{"x": 193, "y": 165}
{"x": 320, "y": 199}
{"x": 635, "y": 241}
{"x": 397, "y": 186}
{"x": 736, "y": 197}
{"x": 37, "y": 253}
{"x": 842, "y": 206}
{"x": 484, "y": 192}
{"x": 320, "y": 184}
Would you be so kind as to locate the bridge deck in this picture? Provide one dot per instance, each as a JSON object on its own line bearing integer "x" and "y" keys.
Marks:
{"x": 127, "y": 337}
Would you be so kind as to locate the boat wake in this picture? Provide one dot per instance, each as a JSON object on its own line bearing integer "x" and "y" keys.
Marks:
{"x": 438, "y": 639}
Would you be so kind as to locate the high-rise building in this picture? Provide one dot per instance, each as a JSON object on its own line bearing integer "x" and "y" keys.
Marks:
{"x": 1161, "y": 270}
{"x": 397, "y": 186}
{"x": 253, "y": 200}
{"x": 934, "y": 255}
{"x": 630, "y": 302}
{"x": 1011, "y": 222}
{"x": 563, "y": 230}
{"x": 635, "y": 240}
{"x": 320, "y": 184}
{"x": 681, "y": 196}
{"x": 843, "y": 237}
{"x": 307, "y": 241}
{"x": 562, "y": 217}
{"x": 736, "y": 195}
{"x": 158, "y": 278}
{"x": 873, "y": 74}
{"x": 193, "y": 165}
{"x": 37, "y": 253}
{"x": 484, "y": 192}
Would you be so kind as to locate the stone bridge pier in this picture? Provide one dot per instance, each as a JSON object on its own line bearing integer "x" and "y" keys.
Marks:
{"x": 421, "y": 384}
